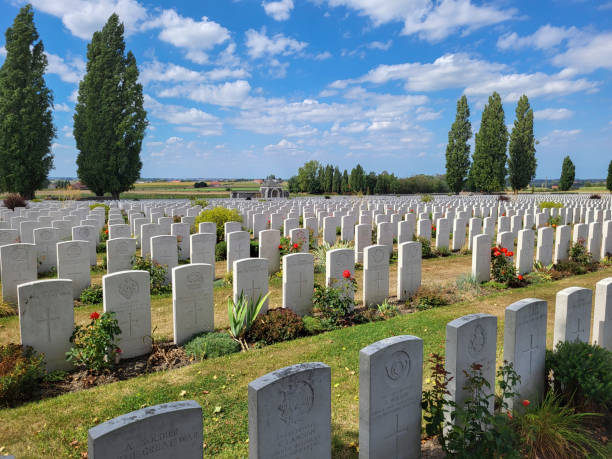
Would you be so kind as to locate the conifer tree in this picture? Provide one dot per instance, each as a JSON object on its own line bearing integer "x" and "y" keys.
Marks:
{"x": 522, "y": 161}
{"x": 609, "y": 179}
{"x": 109, "y": 119}
{"x": 26, "y": 118}
{"x": 337, "y": 182}
{"x": 458, "y": 149}
{"x": 345, "y": 182}
{"x": 568, "y": 174}
{"x": 488, "y": 171}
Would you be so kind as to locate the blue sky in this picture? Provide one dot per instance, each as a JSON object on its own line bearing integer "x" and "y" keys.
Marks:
{"x": 245, "y": 88}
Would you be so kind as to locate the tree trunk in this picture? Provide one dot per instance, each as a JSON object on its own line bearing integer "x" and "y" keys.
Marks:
{"x": 29, "y": 195}
{"x": 115, "y": 195}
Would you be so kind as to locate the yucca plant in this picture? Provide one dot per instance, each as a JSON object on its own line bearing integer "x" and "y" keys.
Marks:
{"x": 556, "y": 431}
{"x": 320, "y": 252}
{"x": 242, "y": 315}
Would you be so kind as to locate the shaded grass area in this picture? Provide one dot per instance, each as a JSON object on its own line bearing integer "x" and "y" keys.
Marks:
{"x": 47, "y": 428}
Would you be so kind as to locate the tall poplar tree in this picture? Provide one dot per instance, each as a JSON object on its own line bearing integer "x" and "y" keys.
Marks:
{"x": 609, "y": 179}
{"x": 109, "y": 119}
{"x": 26, "y": 118}
{"x": 522, "y": 161}
{"x": 458, "y": 149}
{"x": 568, "y": 174}
{"x": 488, "y": 171}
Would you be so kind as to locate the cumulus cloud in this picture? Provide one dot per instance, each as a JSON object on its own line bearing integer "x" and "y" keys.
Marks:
{"x": 84, "y": 17}
{"x": 227, "y": 94}
{"x": 278, "y": 10}
{"x": 283, "y": 147}
{"x": 545, "y": 37}
{"x": 190, "y": 119}
{"x": 553, "y": 114}
{"x": 559, "y": 136}
{"x": 69, "y": 71}
{"x": 586, "y": 54}
{"x": 260, "y": 45}
{"x": 61, "y": 107}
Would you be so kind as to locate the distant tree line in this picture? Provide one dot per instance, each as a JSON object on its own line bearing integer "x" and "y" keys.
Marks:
{"x": 316, "y": 178}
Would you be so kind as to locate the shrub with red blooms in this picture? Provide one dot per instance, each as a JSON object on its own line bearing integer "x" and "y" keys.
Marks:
{"x": 286, "y": 247}
{"x": 502, "y": 268}
{"x": 93, "y": 345}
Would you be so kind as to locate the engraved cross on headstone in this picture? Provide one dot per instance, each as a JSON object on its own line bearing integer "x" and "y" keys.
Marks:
{"x": 396, "y": 435}
{"x": 254, "y": 289}
{"x": 47, "y": 319}
{"x": 380, "y": 277}
{"x": 531, "y": 350}
{"x": 578, "y": 330}
{"x": 301, "y": 282}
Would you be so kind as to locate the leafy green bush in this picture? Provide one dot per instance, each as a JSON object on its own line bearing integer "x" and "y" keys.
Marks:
{"x": 581, "y": 374}
{"x": 221, "y": 251}
{"x": 275, "y": 326}
{"x": 92, "y": 295}
{"x": 254, "y": 248}
{"x": 94, "y": 344}
{"x": 21, "y": 370}
{"x": 200, "y": 185}
{"x": 157, "y": 274}
{"x": 242, "y": 315}
{"x": 219, "y": 216}
{"x": 426, "y": 251}
{"x": 101, "y": 247}
{"x": 334, "y": 304}
{"x": 199, "y": 202}
{"x": 210, "y": 345}
{"x": 313, "y": 325}
{"x": 387, "y": 310}
{"x": 426, "y": 198}
{"x": 503, "y": 269}
{"x": 13, "y": 200}
{"x": 550, "y": 205}
{"x": 430, "y": 301}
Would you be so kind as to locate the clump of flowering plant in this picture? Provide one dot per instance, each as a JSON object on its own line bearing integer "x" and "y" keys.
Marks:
{"x": 286, "y": 247}
{"x": 502, "y": 268}
{"x": 94, "y": 345}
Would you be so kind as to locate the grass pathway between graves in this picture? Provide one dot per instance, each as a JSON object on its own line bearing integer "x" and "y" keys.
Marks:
{"x": 57, "y": 427}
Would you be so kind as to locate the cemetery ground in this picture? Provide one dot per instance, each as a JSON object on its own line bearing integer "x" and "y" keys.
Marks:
{"x": 57, "y": 426}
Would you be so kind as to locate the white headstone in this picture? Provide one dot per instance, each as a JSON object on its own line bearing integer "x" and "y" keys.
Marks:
{"x": 573, "y": 315}
{"x": 192, "y": 301}
{"x": 298, "y": 282}
{"x": 119, "y": 254}
{"x": 251, "y": 280}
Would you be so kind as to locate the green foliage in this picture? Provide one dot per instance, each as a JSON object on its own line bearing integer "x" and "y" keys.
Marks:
{"x": 334, "y": 304}
{"x": 581, "y": 374}
{"x": 93, "y": 345}
{"x": 199, "y": 202}
{"x": 426, "y": 250}
{"x": 522, "y": 161}
{"x": 430, "y": 301}
{"x": 502, "y": 267}
{"x": 422, "y": 183}
{"x": 552, "y": 429}
{"x": 26, "y": 103}
{"x": 14, "y": 200}
{"x": 434, "y": 400}
{"x": 109, "y": 119}
{"x": 488, "y": 171}
{"x": 221, "y": 251}
{"x": 200, "y": 185}
{"x": 254, "y": 248}
{"x": 62, "y": 184}
{"x": 554, "y": 221}
{"x": 219, "y": 216}
{"x": 210, "y": 345}
{"x": 275, "y": 326}
{"x": 458, "y": 148}
{"x": 313, "y": 325}
{"x": 426, "y": 198}
{"x": 242, "y": 315}
{"x": 387, "y": 310}
{"x": 104, "y": 206}
{"x": 550, "y": 205}
{"x": 92, "y": 295}
{"x": 157, "y": 274}
{"x": 609, "y": 178}
{"x": 568, "y": 173}
{"x": 21, "y": 370}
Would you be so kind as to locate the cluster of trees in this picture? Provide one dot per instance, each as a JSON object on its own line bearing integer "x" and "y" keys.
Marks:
{"x": 109, "y": 119}
{"x": 493, "y": 159}
{"x": 315, "y": 178}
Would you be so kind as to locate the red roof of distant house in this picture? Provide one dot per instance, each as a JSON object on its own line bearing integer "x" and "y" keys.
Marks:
{"x": 214, "y": 183}
{"x": 258, "y": 181}
{"x": 79, "y": 186}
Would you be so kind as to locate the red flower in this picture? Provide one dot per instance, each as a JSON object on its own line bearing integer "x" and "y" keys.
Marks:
{"x": 504, "y": 214}
{"x": 346, "y": 274}
{"x": 268, "y": 222}
{"x": 526, "y": 403}
{"x": 503, "y": 250}
{"x": 510, "y": 254}
{"x": 496, "y": 253}
{"x": 296, "y": 246}
{"x": 94, "y": 315}
{"x": 280, "y": 246}
{"x": 105, "y": 231}
{"x": 520, "y": 277}
{"x": 509, "y": 415}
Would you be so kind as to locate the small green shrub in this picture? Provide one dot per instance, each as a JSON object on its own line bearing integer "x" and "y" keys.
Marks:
{"x": 426, "y": 251}
{"x": 242, "y": 314}
{"x": 157, "y": 274}
{"x": 254, "y": 248}
{"x": 503, "y": 269}
{"x": 210, "y": 345}
{"x": 101, "y": 247}
{"x": 93, "y": 345}
{"x": 313, "y": 325}
{"x": 275, "y": 326}
{"x": 199, "y": 202}
{"x": 13, "y": 200}
{"x": 430, "y": 301}
{"x": 219, "y": 216}
{"x": 387, "y": 310}
{"x": 550, "y": 205}
{"x": 334, "y": 304}
{"x": 581, "y": 374}
{"x": 21, "y": 370}
{"x": 221, "y": 251}
{"x": 106, "y": 208}
{"x": 92, "y": 295}
{"x": 426, "y": 198}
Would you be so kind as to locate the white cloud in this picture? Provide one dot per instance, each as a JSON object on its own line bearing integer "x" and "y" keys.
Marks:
{"x": 225, "y": 73}
{"x": 284, "y": 147}
{"x": 322, "y": 56}
{"x": 191, "y": 118}
{"x": 260, "y": 45}
{"x": 3, "y": 51}
{"x": 383, "y": 46}
{"x": 227, "y": 94}
{"x": 278, "y": 10}
{"x": 431, "y": 20}
{"x": 62, "y": 108}
{"x": 553, "y": 114}
{"x": 69, "y": 71}
{"x": 586, "y": 54}
{"x": 545, "y": 37}
{"x": 559, "y": 136}
{"x": 196, "y": 37}
{"x": 167, "y": 72}
{"x": 84, "y": 17}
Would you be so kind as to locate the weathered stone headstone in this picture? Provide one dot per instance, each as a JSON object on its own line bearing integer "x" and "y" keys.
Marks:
{"x": 119, "y": 230}
{"x": 73, "y": 264}
{"x": 375, "y": 274}
{"x": 573, "y": 315}
{"x": 594, "y": 240}
{"x": 202, "y": 248}
{"x": 269, "y": 241}
{"x": 329, "y": 229}
{"x": 290, "y": 413}
{"x": 525, "y": 347}
{"x": 18, "y": 266}
{"x": 251, "y": 280}
{"x": 408, "y": 269}
{"x": 602, "y": 314}
{"x": 164, "y": 251}
{"x": 300, "y": 237}
{"x": 562, "y": 241}
{"x": 458, "y": 234}
{"x": 90, "y": 234}
{"x": 193, "y": 305}
{"x": 406, "y": 229}
{"x": 45, "y": 240}
{"x": 390, "y": 383}
{"x": 127, "y": 293}
{"x": 169, "y": 430}
{"x": 230, "y": 227}
{"x": 424, "y": 228}
{"x": 238, "y": 247}
{"x": 384, "y": 236}
{"x": 119, "y": 254}
{"x": 524, "y": 251}
{"x": 46, "y": 319}
{"x": 442, "y": 233}
{"x": 481, "y": 258}
{"x": 147, "y": 231}
{"x": 298, "y": 282}
{"x": 181, "y": 231}
{"x": 363, "y": 238}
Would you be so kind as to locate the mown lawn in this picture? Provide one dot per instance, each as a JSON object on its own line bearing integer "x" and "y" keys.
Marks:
{"x": 58, "y": 427}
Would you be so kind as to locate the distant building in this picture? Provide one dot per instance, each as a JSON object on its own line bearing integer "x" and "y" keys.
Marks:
{"x": 79, "y": 186}
{"x": 268, "y": 189}
{"x": 258, "y": 181}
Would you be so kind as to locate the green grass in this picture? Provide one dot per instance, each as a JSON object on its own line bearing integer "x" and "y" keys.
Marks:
{"x": 47, "y": 428}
